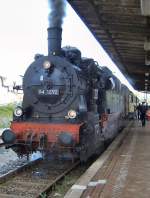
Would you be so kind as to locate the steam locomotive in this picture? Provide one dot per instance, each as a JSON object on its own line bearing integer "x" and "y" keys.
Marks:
{"x": 70, "y": 104}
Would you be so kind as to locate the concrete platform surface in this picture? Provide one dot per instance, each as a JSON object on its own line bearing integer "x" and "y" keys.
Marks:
{"x": 127, "y": 173}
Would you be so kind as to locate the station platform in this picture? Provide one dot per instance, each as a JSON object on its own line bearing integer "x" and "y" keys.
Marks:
{"x": 123, "y": 170}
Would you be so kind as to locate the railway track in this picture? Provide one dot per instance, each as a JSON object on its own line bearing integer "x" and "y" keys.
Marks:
{"x": 34, "y": 180}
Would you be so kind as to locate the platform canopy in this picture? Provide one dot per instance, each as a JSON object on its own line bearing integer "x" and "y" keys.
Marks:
{"x": 122, "y": 27}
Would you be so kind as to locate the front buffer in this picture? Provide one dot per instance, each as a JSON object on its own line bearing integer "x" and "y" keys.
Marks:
{"x": 42, "y": 136}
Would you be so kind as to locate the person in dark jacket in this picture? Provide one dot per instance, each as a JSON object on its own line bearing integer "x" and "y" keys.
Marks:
{"x": 138, "y": 108}
{"x": 143, "y": 110}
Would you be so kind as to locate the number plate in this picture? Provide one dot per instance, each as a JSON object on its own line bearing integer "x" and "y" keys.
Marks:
{"x": 53, "y": 92}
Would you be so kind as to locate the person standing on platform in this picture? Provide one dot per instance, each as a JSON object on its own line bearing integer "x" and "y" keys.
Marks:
{"x": 143, "y": 110}
{"x": 138, "y": 108}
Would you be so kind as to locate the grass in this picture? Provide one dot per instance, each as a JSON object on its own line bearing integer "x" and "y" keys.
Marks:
{"x": 6, "y": 115}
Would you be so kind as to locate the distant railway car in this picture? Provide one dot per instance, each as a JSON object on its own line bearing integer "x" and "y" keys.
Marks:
{"x": 133, "y": 103}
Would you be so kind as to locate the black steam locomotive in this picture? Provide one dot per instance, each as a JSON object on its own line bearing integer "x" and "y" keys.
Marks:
{"x": 70, "y": 104}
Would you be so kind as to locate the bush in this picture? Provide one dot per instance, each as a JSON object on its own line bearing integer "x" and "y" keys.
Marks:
{"x": 6, "y": 113}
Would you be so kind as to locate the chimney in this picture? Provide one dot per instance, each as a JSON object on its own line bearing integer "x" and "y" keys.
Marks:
{"x": 54, "y": 40}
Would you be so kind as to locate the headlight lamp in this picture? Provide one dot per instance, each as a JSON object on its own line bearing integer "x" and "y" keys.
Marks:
{"x": 18, "y": 112}
{"x": 46, "y": 64}
{"x": 72, "y": 114}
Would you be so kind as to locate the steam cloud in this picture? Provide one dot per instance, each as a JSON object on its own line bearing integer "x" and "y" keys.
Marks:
{"x": 57, "y": 12}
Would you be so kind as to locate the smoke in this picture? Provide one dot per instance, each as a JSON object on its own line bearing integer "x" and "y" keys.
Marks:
{"x": 57, "y": 12}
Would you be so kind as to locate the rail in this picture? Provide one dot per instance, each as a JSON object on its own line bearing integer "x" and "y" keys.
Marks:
{"x": 35, "y": 179}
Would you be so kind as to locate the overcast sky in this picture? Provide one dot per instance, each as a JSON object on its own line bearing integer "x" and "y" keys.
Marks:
{"x": 23, "y": 33}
